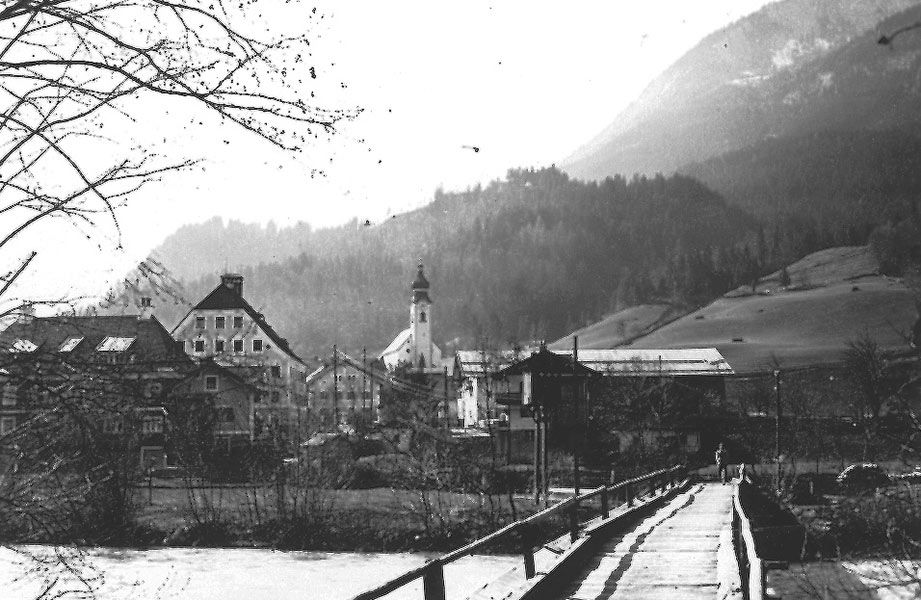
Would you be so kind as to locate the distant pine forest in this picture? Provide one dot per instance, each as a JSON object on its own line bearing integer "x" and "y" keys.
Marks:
{"x": 533, "y": 256}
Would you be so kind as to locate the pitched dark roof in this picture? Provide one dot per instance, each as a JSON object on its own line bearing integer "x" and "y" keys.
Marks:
{"x": 152, "y": 342}
{"x": 546, "y": 363}
{"x": 224, "y": 298}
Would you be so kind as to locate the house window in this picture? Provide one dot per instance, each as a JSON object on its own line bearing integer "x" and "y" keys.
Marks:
{"x": 114, "y": 344}
{"x": 199, "y": 322}
{"x": 422, "y": 317}
{"x": 276, "y": 371}
{"x": 69, "y": 344}
{"x": 211, "y": 383}
{"x": 199, "y": 345}
{"x": 238, "y": 322}
{"x": 276, "y": 397}
{"x": 152, "y": 424}
{"x": 238, "y": 345}
{"x": 10, "y": 395}
{"x": 219, "y": 345}
{"x": 257, "y": 345}
{"x": 219, "y": 322}
{"x": 7, "y": 424}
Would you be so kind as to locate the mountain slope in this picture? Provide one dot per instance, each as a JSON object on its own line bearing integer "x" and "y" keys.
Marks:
{"x": 835, "y": 296}
{"x": 792, "y": 67}
{"x": 532, "y": 256}
{"x": 846, "y": 181}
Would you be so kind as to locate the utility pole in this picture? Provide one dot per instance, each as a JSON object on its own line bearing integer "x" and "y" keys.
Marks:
{"x": 364, "y": 379}
{"x": 447, "y": 415}
{"x": 777, "y": 412}
{"x": 578, "y": 422}
{"x": 335, "y": 386}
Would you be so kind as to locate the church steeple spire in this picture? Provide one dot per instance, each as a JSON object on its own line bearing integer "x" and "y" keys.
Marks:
{"x": 420, "y": 286}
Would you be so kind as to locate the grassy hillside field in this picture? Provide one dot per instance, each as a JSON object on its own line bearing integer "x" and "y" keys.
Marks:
{"x": 835, "y": 296}
{"x": 620, "y": 326}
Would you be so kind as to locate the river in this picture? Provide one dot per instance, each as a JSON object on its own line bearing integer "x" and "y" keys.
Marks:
{"x": 225, "y": 573}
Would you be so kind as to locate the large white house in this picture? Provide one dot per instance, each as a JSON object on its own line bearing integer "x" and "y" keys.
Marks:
{"x": 414, "y": 346}
{"x": 226, "y": 328}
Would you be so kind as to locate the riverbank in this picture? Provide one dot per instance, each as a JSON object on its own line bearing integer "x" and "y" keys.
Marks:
{"x": 250, "y": 516}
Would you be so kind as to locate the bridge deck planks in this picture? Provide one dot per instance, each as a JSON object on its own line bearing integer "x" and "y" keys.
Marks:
{"x": 670, "y": 554}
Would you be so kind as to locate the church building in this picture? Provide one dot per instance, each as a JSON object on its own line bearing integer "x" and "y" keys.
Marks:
{"x": 414, "y": 346}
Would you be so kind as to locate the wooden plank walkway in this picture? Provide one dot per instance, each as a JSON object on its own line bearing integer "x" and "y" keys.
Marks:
{"x": 671, "y": 554}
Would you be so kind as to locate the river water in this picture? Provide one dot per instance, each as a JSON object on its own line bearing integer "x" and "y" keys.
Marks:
{"x": 225, "y": 573}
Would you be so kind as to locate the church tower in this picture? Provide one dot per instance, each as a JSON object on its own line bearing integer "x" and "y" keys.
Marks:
{"x": 420, "y": 324}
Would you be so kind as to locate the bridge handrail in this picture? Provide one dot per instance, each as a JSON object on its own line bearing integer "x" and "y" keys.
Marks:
{"x": 432, "y": 572}
{"x": 751, "y": 568}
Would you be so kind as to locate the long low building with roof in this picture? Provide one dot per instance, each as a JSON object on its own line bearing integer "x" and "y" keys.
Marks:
{"x": 481, "y": 397}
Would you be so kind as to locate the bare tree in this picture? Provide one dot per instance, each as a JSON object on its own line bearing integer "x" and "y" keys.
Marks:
{"x": 76, "y": 76}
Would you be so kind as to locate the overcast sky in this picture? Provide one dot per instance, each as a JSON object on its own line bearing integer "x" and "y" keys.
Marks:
{"x": 525, "y": 82}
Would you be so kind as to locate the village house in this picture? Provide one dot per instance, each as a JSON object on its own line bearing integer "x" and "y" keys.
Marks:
{"x": 473, "y": 372}
{"x": 687, "y": 379}
{"x": 225, "y": 328}
{"x": 118, "y": 369}
{"x": 343, "y": 387}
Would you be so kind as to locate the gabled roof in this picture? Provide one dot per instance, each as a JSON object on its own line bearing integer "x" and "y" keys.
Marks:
{"x": 224, "y": 298}
{"x": 547, "y": 363}
{"x": 152, "y": 342}
{"x": 397, "y": 342}
{"x": 668, "y": 361}
{"x": 369, "y": 368}
{"x": 476, "y": 362}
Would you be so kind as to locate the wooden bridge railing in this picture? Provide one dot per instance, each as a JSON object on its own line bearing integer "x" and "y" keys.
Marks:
{"x": 752, "y": 571}
{"x": 432, "y": 572}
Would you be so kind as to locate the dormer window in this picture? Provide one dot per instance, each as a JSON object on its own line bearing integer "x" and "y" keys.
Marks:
{"x": 23, "y": 346}
{"x": 69, "y": 344}
{"x": 115, "y": 344}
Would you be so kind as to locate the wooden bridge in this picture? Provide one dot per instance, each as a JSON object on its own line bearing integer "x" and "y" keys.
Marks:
{"x": 653, "y": 537}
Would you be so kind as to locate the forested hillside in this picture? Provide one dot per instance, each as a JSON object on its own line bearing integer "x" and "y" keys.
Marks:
{"x": 532, "y": 256}
{"x": 825, "y": 189}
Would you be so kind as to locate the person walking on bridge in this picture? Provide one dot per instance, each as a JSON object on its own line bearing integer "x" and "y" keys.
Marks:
{"x": 722, "y": 469}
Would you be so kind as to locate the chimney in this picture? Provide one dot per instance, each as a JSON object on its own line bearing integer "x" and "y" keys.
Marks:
{"x": 146, "y": 308}
{"x": 234, "y": 282}
{"x": 26, "y": 313}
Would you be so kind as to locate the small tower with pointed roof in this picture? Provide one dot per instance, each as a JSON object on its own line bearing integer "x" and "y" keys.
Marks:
{"x": 420, "y": 323}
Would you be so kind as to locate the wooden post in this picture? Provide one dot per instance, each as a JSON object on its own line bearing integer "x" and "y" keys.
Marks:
{"x": 537, "y": 482}
{"x": 575, "y": 395}
{"x": 433, "y": 581}
{"x": 604, "y": 504}
{"x": 777, "y": 425}
{"x": 528, "y": 561}
{"x": 447, "y": 403}
{"x": 335, "y": 386}
{"x": 574, "y": 522}
{"x": 545, "y": 462}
